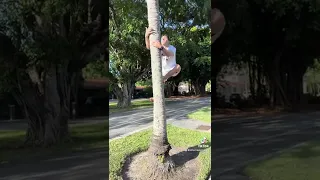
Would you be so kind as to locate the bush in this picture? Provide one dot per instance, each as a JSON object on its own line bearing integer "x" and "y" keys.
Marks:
{"x": 312, "y": 99}
{"x": 148, "y": 91}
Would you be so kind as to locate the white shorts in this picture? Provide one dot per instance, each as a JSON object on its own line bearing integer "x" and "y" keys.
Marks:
{"x": 166, "y": 70}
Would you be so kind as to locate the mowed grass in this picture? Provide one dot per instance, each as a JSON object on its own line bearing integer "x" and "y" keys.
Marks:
{"x": 122, "y": 148}
{"x": 203, "y": 114}
{"x": 301, "y": 163}
{"x": 136, "y": 104}
{"x": 84, "y": 137}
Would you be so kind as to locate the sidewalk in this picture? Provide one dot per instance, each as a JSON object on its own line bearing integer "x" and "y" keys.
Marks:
{"x": 191, "y": 124}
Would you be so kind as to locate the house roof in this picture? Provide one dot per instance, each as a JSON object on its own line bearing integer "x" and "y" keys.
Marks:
{"x": 140, "y": 87}
{"x": 96, "y": 83}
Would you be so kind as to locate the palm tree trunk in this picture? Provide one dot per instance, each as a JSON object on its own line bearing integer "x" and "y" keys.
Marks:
{"x": 160, "y": 146}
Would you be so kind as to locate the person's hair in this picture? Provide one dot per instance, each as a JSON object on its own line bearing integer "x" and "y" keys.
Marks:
{"x": 166, "y": 35}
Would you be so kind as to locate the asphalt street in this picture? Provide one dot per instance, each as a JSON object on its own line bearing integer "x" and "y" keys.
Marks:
{"x": 236, "y": 143}
{"x": 244, "y": 140}
{"x": 91, "y": 165}
{"x": 121, "y": 124}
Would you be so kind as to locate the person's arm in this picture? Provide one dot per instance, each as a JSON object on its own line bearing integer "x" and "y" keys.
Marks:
{"x": 168, "y": 52}
{"x": 147, "y": 42}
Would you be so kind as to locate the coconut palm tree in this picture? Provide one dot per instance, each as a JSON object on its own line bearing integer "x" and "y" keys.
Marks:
{"x": 160, "y": 146}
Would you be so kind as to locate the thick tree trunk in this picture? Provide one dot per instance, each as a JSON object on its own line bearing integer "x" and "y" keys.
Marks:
{"x": 168, "y": 90}
{"x": 260, "y": 92}
{"x": 57, "y": 107}
{"x": 202, "y": 87}
{"x": 199, "y": 87}
{"x": 276, "y": 78}
{"x": 124, "y": 94}
{"x": 214, "y": 91}
{"x": 196, "y": 87}
{"x": 160, "y": 146}
{"x": 47, "y": 112}
{"x": 272, "y": 95}
{"x": 32, "y": 105}
{"x": 252, "y": 79}
{"x": 176, "y": 89}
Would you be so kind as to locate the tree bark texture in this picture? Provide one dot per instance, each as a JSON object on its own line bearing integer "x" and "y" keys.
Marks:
{"x": 160, "y": 146}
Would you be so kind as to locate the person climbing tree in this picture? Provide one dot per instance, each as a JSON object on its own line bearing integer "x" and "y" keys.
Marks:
{"x": 170, "y": 68}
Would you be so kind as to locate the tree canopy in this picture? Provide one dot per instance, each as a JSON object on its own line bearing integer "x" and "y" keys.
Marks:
{"x": 130, "y": 60}
{"x": 44, "y": 46}
{"x": 279, "y": 37}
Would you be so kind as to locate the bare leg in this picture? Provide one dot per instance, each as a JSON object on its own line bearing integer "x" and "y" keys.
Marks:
{"x": 174, "y": 72}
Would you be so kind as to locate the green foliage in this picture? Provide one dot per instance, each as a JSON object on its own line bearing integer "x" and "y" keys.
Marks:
{"x": 94, "y": 70}
{"x": 263, "y": 28}
{"x": 129, "y": 59}
{"x": 147, "y": 82}
{"x": 47, "y": 33}
{"x": 148, "y": 90}
{"x": 186, "y": 23}
{"x": 312, "y": 78}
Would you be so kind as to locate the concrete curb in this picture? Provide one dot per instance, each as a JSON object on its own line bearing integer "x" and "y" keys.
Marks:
{"x": 136, "y": 131}
{"x": 169, "y": 121}
{"x": 128, "y": 134}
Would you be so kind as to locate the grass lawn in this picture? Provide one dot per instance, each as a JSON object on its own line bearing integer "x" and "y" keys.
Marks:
{"x": 85, "y": 137}
{"x": 203, "y": 114}
{"x": 137, "y": 104}
{"x": 120, "y": 149}
{"x": 301, "y": 163}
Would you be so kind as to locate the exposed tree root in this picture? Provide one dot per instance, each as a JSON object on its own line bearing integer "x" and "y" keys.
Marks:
{"x": 147, "y": 165}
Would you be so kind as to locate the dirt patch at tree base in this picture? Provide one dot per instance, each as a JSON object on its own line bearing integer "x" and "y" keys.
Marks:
{"x": 143, "y": 166}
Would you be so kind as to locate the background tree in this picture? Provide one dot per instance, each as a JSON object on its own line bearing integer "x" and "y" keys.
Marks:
{"x": 190, "y": 34}
{"x": 44, "y": 46}
{"x": 129, "y": 59}
{"x": 277, "y": 39}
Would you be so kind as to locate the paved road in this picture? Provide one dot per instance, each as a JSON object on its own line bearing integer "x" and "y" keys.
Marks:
{"x": 126, "y": 122}
{"x": 93, "y": 165}
{"x": 80, "y": 166}
{"x": 236, "y": 143}
{"x": 244, "y": 140}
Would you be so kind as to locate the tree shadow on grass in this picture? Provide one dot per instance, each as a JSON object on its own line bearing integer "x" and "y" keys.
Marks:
{"x": 191, "y": 153}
